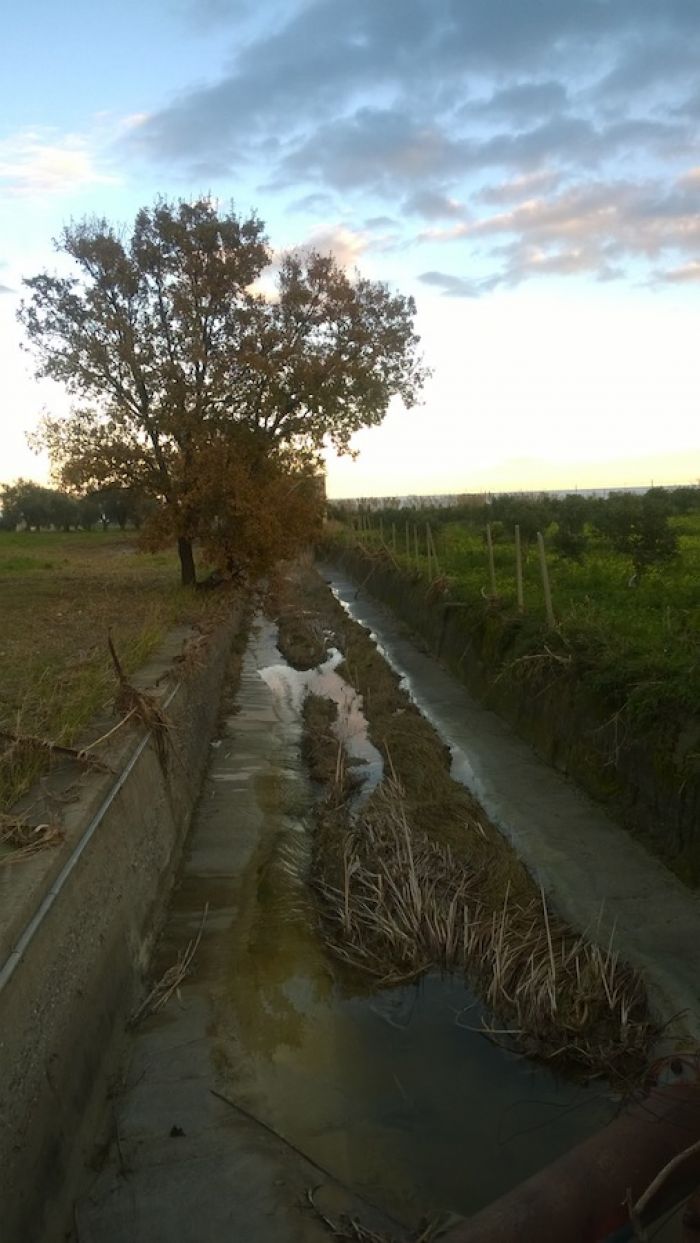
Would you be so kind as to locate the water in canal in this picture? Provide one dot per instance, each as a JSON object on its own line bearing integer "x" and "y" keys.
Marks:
{"x": 394, "y": 1092}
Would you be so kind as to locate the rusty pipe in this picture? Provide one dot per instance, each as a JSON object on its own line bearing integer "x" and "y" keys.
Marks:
{"x": 691, "y": 1219}
{"x": 583, "y": 1196}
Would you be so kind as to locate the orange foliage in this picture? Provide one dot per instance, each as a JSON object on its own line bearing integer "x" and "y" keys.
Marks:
{"x": 245, "y": 502}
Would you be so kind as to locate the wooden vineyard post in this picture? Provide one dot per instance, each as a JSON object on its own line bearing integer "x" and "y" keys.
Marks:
{"x": 492, "y": 566}
{"x": 381, "y": 532}
{"x": 519, "y": 570}
{"x": 436, "y": 564}
{"x": 408, "y": 542}
{"x": 427, "y": 548}
{"x": 545, "y": 581}
{"x": 416, "y": 551}
{"x": 393, "y": 537}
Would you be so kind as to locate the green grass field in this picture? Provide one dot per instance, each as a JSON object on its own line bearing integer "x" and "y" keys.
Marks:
{"x": 639, "y": 645}
{"x": 60, "y": 594}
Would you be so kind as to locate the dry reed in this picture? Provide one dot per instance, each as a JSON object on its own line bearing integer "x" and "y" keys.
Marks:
{"x": 132, "y": 702}
{"x": 169, "y": 983}
{"x": 23, "y": 840}
{"x": 395, "y": 903}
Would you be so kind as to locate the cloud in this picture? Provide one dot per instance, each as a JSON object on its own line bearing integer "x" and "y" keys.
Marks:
{"x": 524, "y": 100}
{"x": 377, "y": 148}
{"x": 433, "y": 206}
{"x": 454, "y": 286}
{"x": 594, "y": 228}
{"x": 522, "y": 187}
{"x": 35, "y": 162}
{"x": 312, "y": 202}
{"x": 344, "y": 244}
{"x": 573, "y": 118}
{"x": 687, "y": 273}
{"x": 321, "y": 57}
{"x": 380, "y": 222}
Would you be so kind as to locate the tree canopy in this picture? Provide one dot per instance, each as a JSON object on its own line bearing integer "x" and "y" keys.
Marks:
{"x": 178, "y": 364}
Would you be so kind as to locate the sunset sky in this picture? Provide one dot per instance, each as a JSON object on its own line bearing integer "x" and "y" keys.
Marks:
{"x": 528, "y": 169}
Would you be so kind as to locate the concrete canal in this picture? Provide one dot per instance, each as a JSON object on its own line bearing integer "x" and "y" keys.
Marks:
{"x": 276, "y": 1088}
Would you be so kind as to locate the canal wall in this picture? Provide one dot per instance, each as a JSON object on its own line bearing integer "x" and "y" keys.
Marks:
{"x": 649, "y": 781}
{"x": 76, "y": 928}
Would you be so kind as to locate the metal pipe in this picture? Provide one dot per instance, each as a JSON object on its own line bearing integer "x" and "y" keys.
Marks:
{"x": 30, "y": 930}
{"x": 583, "y": 1197}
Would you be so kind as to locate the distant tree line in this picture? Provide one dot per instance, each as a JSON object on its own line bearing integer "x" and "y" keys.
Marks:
{"x": 634, "y": 524}
{"x": 31, "y": 506}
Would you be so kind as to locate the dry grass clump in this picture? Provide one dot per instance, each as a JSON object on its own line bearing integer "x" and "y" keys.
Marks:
{"x": 19, "y": 840}
{"x": 319, "y": 743}
{"x": 301, "y": 639}
{"x": 395, "y": 902}
{"x": 132, "y": 702}
{"x": 169, "y": 983}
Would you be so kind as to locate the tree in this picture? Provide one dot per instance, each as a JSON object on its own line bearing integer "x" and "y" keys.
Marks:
{"x": 170, "y": 353}
{"x": 120, "y": 505}
{"x": 638, "y": 527}
{"x": 63, "y": 510}
{"x": 685, "y": 499}
{"x": 26, "y": 502}
{"x": 255, "y": 503}
{"x": 89, "y": 511}
{"x": 530, "y": 514}
{"x": 570, "y": 539}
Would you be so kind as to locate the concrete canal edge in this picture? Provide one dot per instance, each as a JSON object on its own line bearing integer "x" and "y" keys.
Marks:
{"x": 76, "y": 928}
{"x": 599, "y": 878}
{"x": 650, "y": 784}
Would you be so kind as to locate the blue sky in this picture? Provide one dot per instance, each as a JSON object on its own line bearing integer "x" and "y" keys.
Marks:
{"x": 528, "y": 169}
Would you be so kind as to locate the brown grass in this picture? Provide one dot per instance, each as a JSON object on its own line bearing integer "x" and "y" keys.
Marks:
{"x": 169, "y": 983}
{"x": 319, "y": 743}
{"x": 21, "y": 840}
{"x": 395, "y": 902}
{"x": 301, "y": 639}
{"x": 61, "y": 595}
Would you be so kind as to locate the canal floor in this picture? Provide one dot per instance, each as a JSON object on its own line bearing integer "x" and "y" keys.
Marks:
{"x": 387, "y": 1106}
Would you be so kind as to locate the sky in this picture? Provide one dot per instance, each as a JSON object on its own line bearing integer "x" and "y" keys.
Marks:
{"x": 529, "y": 170}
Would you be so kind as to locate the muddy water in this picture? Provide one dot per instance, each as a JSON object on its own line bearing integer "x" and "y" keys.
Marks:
{"x": 391, "y": 1092}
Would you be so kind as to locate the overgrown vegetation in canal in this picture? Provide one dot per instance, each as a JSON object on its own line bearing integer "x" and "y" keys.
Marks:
{"x": 418, "y": 878}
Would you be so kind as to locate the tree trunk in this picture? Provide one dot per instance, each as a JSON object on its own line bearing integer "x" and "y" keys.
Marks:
{"x": 188, "y": 576}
